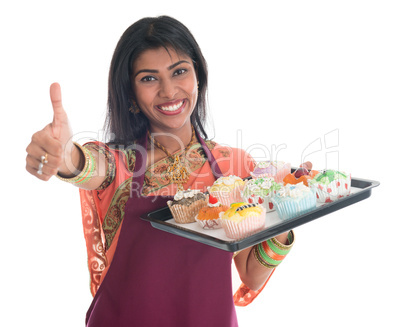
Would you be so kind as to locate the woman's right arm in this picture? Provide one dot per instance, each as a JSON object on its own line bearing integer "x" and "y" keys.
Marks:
{"x": 53, "y": 148}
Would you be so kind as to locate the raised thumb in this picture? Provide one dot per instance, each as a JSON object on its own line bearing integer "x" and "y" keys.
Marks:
{"x": 59, "y": 115}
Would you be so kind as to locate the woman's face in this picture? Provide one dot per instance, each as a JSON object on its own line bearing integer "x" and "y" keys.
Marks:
{"x": 165, "y": 87}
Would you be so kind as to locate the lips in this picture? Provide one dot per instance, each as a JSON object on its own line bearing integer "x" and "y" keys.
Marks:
{"x": 172, "y": 108}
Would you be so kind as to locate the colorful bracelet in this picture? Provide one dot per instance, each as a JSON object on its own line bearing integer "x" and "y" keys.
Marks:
{"x": 88, "y": 170}
{"x": 271, "y": 253}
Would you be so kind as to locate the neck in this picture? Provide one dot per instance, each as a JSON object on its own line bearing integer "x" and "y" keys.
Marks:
{"x": 173, "y": 140}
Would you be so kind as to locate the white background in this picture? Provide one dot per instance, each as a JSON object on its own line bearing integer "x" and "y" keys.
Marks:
{"x": 282, "y": 72}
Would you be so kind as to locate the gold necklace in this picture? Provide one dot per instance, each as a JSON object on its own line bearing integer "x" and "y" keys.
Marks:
{"x": 177, "y": 172}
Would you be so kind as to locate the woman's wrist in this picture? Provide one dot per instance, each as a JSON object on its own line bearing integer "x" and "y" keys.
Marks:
{"x": 74, "y": 162}
{"x": 83, "y": 161}
{"x": 282, "y": 238}
{"x": 272, "y": 252}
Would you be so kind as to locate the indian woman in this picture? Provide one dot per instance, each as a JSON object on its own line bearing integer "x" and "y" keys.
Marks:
{"x": 142, "y": 276}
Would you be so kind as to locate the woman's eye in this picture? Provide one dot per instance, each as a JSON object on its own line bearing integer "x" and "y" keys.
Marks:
{"x": 148, "y": 79}
{"x": 180, "y": 71}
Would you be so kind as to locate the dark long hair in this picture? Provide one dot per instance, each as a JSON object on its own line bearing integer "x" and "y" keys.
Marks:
{"x": 149, "y": 33}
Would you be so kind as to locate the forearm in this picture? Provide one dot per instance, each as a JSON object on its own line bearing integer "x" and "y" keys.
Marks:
{"x": 251, "y": 271}
{"x": 84, "y": 168}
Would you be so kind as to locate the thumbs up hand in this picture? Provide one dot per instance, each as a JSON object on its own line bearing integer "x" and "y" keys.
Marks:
{"x": 51, "y": 149}
{"x": 60, "y": 126}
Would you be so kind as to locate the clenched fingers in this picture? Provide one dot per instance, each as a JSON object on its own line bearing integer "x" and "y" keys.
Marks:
{"x": 44, "y": 145}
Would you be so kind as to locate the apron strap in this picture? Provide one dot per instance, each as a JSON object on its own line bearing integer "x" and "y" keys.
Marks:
{"x": 216, "y": 171}
{"x": 140, "y": 148}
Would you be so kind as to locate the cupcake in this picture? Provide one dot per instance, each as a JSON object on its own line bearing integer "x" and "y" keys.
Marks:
{"x": 300, "y": 175}
{"x": 275, "y": 169}
{"x": 294, "y": 200}
{"x": 186, "y": 205}
{"x": 227, "y": 189}
{"x": 243, "y": 219}
{"x": 208, "y": 217}
{"x": 331, "y": 185}
{"x": 261, "y": 191}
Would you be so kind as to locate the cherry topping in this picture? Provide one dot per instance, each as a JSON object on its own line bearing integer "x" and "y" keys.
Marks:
{"x": 212, "y": 199}
{"x": 301, "y": 172}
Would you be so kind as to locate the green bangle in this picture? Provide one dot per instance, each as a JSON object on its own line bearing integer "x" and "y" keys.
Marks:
{"x": 263, "y": 255}
{"x": 276, "y": 249}
{"x": 92, "y": 166}
{"x": 260, "y": 260}
{"x": 87, "y": 171}
{"x": 280, "y": 248}
{"x": 271, "y": 253}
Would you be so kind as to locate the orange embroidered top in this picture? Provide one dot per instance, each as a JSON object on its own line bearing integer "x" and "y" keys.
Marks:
{"x": 103, "y": 208}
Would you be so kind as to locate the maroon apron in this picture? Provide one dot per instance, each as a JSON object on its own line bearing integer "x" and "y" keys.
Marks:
{"x": 159, "y": 279}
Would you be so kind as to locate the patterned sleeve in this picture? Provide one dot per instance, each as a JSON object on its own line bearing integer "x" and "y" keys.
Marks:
{"x": 104, "y": 150}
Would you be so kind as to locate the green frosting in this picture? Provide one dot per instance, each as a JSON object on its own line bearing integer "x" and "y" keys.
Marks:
{"x": 261, "y": 187}
{"x": 328, "y": 176}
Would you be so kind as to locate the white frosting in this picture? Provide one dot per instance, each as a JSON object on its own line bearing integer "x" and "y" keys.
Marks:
{"x": 260, "y": 186}
{"x": 266, "y": 184}
{"x": 189, "y": 194}
{"x": 217, "y": 204}
{"x": 186, "y": 194}
{"x": 228, "y": 180}
{"x": 293, "y": 191}
{"x": 263, "y": 164}
{"x": 266, "y": 164}
{"x": 179, "y": 195}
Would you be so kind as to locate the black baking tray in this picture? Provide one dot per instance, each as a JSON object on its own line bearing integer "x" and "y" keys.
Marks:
{"x": 162, "y": 219}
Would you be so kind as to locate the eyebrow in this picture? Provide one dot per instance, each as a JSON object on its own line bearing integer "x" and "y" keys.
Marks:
{"x": 154, "y": 71}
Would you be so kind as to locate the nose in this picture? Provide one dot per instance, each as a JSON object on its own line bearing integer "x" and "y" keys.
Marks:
{"x": 167, "y": 89}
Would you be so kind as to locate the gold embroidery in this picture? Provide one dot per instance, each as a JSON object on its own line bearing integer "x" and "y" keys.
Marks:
{"x": 94, "y": 240}
{"x": 98, "y": 239}
{"x": 110, "y": 160}
{"x": 130, "y": 158}
{"x": 154, "y": 180}
{"x": 115, "y": 213}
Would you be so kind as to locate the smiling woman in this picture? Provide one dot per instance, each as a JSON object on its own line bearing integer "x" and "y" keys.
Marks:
{"x": 165, "y": 89}
{"x": 156, "y": 100}
{"x": 176, "y": 59}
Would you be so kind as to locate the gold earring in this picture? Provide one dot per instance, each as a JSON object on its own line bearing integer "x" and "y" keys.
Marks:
{"x": 134, "y": 108}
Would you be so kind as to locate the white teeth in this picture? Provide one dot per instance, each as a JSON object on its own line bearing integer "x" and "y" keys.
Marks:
{"x": 172, "y": 108}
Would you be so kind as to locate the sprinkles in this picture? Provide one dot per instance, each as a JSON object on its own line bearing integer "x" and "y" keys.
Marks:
{"x": 246, "y": 206}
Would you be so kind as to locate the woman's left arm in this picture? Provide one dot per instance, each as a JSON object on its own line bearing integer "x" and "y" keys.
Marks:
{"x": 252, "y": 273}
{"x": 251, "y": 263}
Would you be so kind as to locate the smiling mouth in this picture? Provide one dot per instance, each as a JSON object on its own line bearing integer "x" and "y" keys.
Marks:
{"x": 172, "y": 107}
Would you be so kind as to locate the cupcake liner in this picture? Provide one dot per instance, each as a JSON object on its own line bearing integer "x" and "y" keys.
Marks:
{"x": 245, "y": 227}
{"x": 186, "y": 214}
{"x": 228, "y": 196}
{"x": 332, "y": 191}
{"x": 265, "y": 201}
{"x": 209, "y": 223}
{"x": 288, "y": 208}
